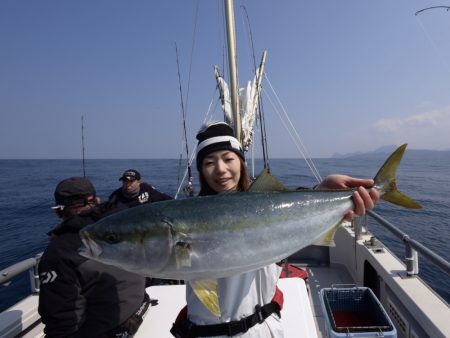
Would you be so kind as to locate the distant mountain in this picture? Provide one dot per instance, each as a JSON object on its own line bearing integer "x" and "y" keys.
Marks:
{"x": 388, "y": 149}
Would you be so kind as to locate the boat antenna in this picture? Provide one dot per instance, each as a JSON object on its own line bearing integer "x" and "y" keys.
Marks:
{"x": 260, "y": 104}
{"x": 189, "y": 189}
{"x": 82, "y": 145}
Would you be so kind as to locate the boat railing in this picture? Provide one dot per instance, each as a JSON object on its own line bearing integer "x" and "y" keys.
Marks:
{"x": 412, "y": 247}
{"x": 30, "y": 264}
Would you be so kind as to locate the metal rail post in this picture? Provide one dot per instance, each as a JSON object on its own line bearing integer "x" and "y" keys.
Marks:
{"x": 35, "y": 282}
{"x": 411, "y": 258}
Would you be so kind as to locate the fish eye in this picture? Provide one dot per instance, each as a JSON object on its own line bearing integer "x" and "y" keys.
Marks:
{"x": 111, "y": 237}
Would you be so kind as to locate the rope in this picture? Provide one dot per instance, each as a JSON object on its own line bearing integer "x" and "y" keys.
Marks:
{"x": 293, "y": 132}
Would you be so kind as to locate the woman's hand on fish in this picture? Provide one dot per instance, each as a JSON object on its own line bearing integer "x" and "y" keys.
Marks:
{"x": 362, "y": 198}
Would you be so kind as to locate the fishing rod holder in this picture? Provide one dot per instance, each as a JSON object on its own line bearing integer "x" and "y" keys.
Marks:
{"x": 360, "y": 226}
{"x": 35, "y": 282}
{"x": 411, "y": 258}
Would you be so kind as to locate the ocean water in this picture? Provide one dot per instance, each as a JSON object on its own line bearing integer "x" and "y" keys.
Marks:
{"x": 27, "y": 186}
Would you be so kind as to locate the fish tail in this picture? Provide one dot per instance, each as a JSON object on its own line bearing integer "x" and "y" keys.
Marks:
{"x": 386, "y": 182}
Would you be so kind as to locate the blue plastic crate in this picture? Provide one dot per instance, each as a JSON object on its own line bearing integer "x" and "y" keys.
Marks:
{"x": 355, "y": 312}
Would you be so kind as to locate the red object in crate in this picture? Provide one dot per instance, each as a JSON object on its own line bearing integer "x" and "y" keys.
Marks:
{"x": 353, "y": 319}
{"x": 355, "y": 311}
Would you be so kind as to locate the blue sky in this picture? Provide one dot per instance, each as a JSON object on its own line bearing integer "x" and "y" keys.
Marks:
{"x": 352, "y": 75}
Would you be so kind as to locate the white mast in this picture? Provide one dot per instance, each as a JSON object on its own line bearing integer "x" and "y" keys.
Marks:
{"x": 234, "y": 90}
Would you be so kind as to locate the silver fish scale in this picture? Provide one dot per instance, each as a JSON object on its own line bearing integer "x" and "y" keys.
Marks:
{"x": 217, "y": 236}
{"x": 230, "y": 234}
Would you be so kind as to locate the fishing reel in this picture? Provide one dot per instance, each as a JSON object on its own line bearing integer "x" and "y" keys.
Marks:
{"x": 189, "y": 188}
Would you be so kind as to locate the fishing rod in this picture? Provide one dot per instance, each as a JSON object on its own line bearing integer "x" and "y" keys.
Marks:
{"x": 189, "y": 188}
{"x": 82, "y": 145}
{"x": 429, "y": 37}
{"x": 285, "y": 120}
{"x": 447, "y": 8}
{"x": 260, "y": 104}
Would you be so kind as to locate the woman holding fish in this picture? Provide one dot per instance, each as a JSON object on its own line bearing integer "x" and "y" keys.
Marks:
{"x": 249, "y": 303}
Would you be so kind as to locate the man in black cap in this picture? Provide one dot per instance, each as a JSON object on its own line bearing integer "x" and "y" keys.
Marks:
{"x": 80, "y": 297}
{"x": 134, "y": 192}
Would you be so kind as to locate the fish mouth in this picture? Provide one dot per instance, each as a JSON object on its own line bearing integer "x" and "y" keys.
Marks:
{"x": 90, "y": 249}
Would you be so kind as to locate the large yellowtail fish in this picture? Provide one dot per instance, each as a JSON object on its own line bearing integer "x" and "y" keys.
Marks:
{"x": 204, "y": 238}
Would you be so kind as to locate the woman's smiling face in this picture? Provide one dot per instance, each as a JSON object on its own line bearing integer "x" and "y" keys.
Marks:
{"x": 222, "y": 170}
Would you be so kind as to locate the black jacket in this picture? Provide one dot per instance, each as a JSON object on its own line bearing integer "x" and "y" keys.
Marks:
{"x": 147, "y": 194}
{"x": 81, "y": 297}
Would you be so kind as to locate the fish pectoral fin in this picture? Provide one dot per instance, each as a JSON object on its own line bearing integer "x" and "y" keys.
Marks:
{"x": 328, "y": 238}
{"x": 183, "y": 252}
{"x": 267, "y": 182}
{"x": 207, "y": 292}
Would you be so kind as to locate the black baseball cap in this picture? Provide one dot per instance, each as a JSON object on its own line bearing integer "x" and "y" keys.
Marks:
{"x": 130, "y": 175}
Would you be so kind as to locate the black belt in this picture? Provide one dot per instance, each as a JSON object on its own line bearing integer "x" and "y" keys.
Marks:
{"x": 130, "y": 326}
{"x": 190, "y": 329}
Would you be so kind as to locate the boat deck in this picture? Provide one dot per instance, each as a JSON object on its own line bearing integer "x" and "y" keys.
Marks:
{"x": 296, "y": 315}
{"x": 302, "y": 310}
{"x": 305, "y": 315}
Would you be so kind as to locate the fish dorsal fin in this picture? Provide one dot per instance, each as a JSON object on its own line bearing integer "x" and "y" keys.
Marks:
{"x": 266, "y": 182}
{"x": 206, "y": 291}
{"x": 328, "y": 238}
